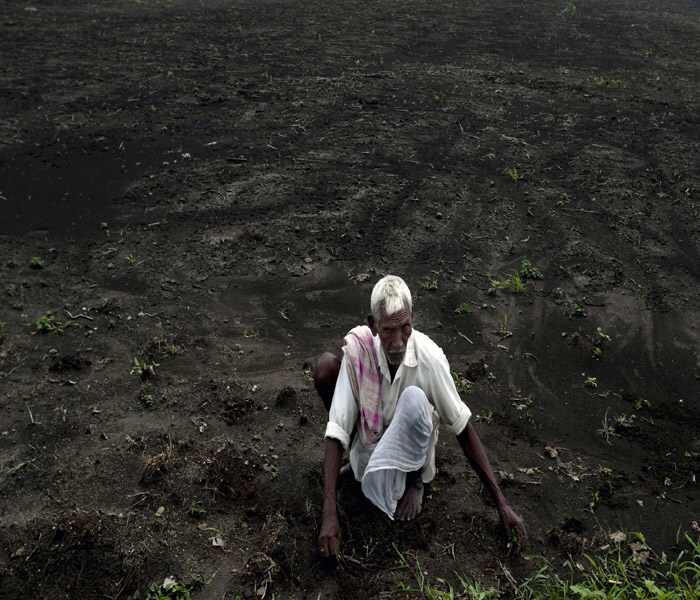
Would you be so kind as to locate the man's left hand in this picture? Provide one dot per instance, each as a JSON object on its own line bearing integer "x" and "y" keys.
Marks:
{"x": 513, "y": 529}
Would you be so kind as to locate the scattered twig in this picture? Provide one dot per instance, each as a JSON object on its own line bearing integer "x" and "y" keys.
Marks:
{"x": 510, "y": 578}
{"x": 460, "y": 334}
{"x": 582, "y": 210}
{"x": 63, "y": 381}
{"x": 31, "y": 416}
{"x": 12, "y": 370}
{"x": 80, "y": 316}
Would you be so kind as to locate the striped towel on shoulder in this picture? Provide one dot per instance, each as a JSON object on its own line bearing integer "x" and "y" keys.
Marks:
{"x": 366, "y": 380}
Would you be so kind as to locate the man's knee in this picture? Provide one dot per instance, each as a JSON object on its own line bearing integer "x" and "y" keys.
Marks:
{"x": 414, "y": 411}
{"x": 414, "y": 400}
{"x": 327, "y": 370}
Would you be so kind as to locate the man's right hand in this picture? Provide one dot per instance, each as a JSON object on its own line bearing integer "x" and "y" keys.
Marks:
{"x": 329, "y": 538}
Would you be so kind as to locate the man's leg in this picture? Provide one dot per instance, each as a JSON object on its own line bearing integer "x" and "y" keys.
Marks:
{"x": 396, "y": 464}
{"x": 411, "y": 503}
{"x": 325, "y": 377}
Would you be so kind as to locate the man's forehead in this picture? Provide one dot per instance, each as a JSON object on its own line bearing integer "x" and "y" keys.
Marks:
{"x": 398, "y": 318}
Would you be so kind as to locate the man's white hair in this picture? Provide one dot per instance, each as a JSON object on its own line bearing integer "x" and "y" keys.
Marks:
{"x": 392, "y": 294}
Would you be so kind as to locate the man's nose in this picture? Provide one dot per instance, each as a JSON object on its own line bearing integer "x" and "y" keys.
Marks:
{"x": 397, "y": 341}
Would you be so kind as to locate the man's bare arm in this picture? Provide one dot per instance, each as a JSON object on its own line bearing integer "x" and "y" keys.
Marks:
{"x": 476, "y": 455}
{"x": 329, "y": 538}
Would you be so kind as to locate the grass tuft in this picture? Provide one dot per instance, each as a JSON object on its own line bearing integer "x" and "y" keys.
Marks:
{"x": 512, "y": 283}
{"x": 629, "y": 569}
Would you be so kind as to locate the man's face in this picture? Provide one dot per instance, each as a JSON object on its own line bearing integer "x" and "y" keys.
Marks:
{"x": 394, "y": 331}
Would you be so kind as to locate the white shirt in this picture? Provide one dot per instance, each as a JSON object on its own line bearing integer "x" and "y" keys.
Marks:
{"x": 425, "y": 366}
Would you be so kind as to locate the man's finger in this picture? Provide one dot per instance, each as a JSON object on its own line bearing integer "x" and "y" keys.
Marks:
{"x": 519, "y": 531}
{"x": 523, "y": 535}
{"x": 329, "y": 549}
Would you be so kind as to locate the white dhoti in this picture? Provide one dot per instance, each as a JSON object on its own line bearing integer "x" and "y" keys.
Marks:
{"x": 402, "y": 449}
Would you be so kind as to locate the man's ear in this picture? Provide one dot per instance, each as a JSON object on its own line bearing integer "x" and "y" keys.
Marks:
{"x": 372, "y": 324}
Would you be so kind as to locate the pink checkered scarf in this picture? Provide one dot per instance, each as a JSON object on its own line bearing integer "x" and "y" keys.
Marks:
{"x": 365, "y": 380}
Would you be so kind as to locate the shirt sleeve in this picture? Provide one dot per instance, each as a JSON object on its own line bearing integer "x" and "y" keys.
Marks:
{"x": 449, "y": 406}
{"x": 343, "y": 414}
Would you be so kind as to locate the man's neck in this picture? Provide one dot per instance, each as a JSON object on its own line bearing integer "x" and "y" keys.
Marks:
{"x": 392, "y": 370}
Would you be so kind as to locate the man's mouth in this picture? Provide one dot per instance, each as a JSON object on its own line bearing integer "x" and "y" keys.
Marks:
{"x": 396, "y": 358}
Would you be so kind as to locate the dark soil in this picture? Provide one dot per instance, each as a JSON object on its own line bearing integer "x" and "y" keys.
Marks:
{"x": 213, "y": 188}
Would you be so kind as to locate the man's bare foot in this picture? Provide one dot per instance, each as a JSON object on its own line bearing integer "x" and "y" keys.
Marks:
{"x": 411, "y": 503}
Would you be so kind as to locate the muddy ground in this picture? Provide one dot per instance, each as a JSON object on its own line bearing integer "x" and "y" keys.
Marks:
{"x": 195, "y": 201}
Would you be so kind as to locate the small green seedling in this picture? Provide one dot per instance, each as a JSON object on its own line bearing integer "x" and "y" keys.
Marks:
{"x": 11, "y": 290}
{"x": 598, "y": 342}
{"x": 512, "y": 172}
{"x": 429, "y": 285}
{"x": 171, "y": 589}
{"x": 570, "y": 8}
{"x": 37, "y": 263}
{"x": 45, "y": 323}
{"x": 461, "y": 383}
{"x": 506, "y": 476}
{"x": 595, "y": 500}
{"x": 522, "y": 403}
{"x": 15, "y": 468}
{"x": 514, "y": 545}
{"x": 104, "y": 225}
{"x": 602, "y": 335}
{"x": 131, "y": 259}
{"x": 641, "y": 403}
{"x": 503, "y": 326}
{"x": 464, "y": 309}
{"x": 529, "y": 271}
{"x": 488, "y": 417}
{"x": 160, "y": 511}
{"x": 143, "y": 368}
{"x": 580, "y": 308}
{"x": 196, "y": 510}
{"x": 48, "y": 323}
{"x": 147, "y": 400}
{"x": 591, "y": 382}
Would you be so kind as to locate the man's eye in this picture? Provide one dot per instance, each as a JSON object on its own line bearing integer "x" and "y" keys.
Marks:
{"x": 406, "y": 328}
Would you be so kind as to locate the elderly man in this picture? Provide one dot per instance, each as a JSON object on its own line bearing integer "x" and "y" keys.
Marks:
{"x": 385, "y": 400}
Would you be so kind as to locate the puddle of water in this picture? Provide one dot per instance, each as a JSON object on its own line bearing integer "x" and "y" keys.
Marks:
{"x": 66, "y": 191}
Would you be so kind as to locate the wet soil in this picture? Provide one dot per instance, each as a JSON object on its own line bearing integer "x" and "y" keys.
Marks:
{"x": 195, "y": 201}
